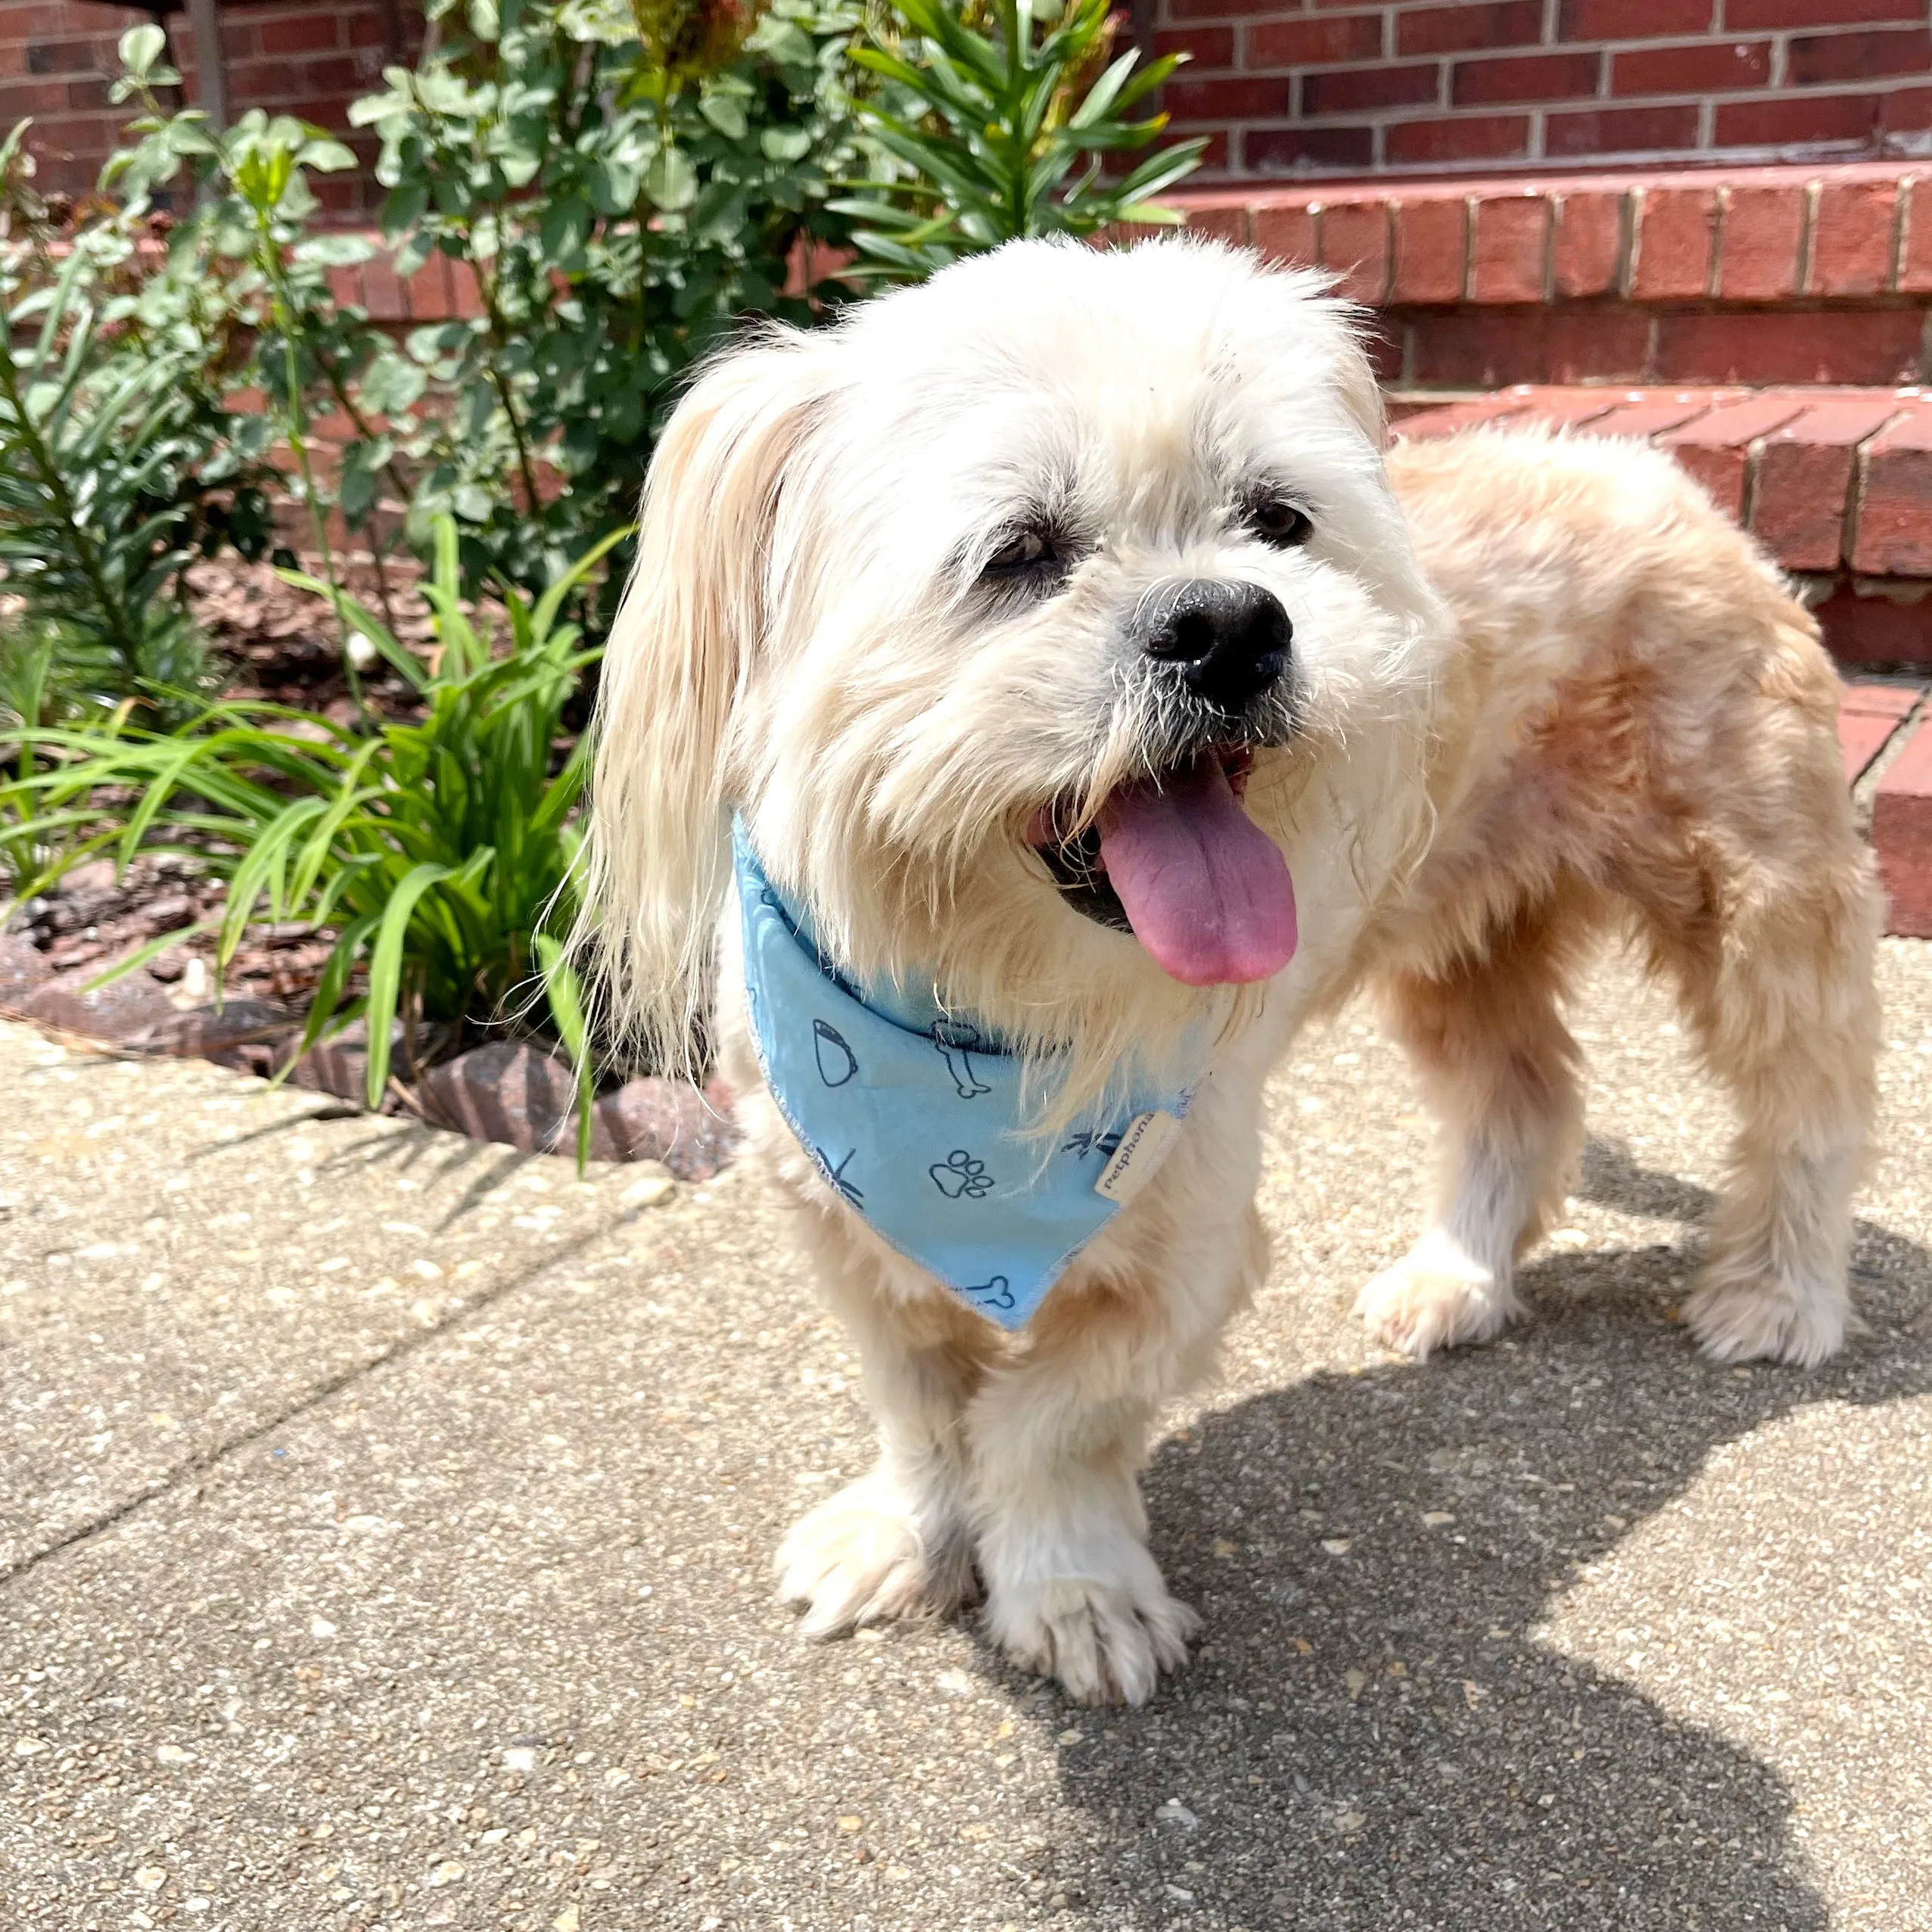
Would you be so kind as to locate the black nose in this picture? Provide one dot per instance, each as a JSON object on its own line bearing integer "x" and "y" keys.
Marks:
{"x": 1230, "y": 640}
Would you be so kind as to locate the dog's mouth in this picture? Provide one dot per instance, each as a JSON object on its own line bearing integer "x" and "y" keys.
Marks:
{"x": 1175, "y": 861}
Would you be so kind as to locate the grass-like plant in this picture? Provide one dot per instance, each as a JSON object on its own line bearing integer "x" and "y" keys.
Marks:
{"x": 1007, "y": 132}
{"x": 439, "y": 853}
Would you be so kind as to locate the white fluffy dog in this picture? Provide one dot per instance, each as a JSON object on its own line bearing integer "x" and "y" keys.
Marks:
{"x": 1095, "y": 701}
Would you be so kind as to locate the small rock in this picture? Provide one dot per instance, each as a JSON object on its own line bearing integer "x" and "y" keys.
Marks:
{"x": 150, "y": 1878}
{"x": 116, "y": 1012}
{"x": 22, "y": 967}
{"x": 1350, "y": 1821}
{"x": 446, "y": 1872}
{"x": 1174, "y": 1812}
{"x": 172, "y": 1754}
{"x": 1436, "y": 1518}
{"x": 1336, "y": 1546}
{"x": 653, "y": 1185}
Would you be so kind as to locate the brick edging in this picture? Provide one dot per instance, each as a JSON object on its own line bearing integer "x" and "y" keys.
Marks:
{"x": 507, "y": 1092}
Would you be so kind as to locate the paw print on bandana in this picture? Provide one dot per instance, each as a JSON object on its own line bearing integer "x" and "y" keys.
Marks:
{"x": 959, "y": 1177}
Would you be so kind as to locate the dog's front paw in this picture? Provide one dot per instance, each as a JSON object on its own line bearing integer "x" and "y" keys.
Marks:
{"x": 1106, "y": 1640}
{"x": 1758, "y": 1318}
{"x": 1436, "y": 1297}
{"x": 858, "y": 1558}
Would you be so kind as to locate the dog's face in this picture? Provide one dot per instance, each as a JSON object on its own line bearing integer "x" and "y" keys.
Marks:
{"x": 1032, "y": 618}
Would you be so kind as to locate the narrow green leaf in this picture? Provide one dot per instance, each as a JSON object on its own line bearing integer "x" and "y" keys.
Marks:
{"x": 564, "y": 992}
{"x": 386, "y": 968}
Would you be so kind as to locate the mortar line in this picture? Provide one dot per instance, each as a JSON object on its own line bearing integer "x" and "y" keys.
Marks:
{"x": 208, "y": 1459}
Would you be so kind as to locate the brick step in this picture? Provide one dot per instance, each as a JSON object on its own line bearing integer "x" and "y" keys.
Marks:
{"x": 1888, "y": 726}
{"x": 1836, "y": 483}
{"x": 1790, "y": 274}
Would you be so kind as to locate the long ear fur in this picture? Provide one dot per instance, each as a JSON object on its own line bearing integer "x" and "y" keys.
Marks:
{"x": 1361, "y": 391}
{"x": 692, "y": 617}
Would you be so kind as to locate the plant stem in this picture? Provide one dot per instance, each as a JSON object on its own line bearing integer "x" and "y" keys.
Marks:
{"x": 346, "y": 404}
{"x": 268, "y": 257}
{"x": 499, "y": 335}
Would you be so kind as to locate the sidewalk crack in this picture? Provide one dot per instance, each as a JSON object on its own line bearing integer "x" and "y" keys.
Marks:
{"x": 401, "y": 1349}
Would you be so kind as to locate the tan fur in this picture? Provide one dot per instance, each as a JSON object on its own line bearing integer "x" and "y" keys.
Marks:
{"x": 1637, "y": 736}
{"x": 1552, "y": 698}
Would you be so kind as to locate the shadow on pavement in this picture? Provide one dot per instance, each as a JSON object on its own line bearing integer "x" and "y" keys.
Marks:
{"x": 1369, "y": 1736}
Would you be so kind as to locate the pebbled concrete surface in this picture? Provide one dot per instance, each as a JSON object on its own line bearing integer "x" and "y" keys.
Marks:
{"x": 398, "y": 1555}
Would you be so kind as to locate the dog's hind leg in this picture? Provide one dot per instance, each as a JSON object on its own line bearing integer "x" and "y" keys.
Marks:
{"x": 1776, "y": 988}
{"x": 1499, "y": 1070}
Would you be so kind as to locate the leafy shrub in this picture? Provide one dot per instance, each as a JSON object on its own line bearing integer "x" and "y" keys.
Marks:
{"x": 248, "y": 252}
{"x": 119, "y": 461}
{"x": 437, "y": 851}
{"x": 990, "y": 126}
{"x": 626, "y": 179}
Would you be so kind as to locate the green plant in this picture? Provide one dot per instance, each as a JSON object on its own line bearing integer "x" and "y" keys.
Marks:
{"x": 437, "y": 852}
{"x": 625, "y": 179}
{"x": 251, "y": 252}
{"x": 990, "y": 126}
{"x": 118, "y": 461}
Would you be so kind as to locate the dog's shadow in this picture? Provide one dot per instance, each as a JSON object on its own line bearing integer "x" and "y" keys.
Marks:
{"x": 1369, "y": 1736}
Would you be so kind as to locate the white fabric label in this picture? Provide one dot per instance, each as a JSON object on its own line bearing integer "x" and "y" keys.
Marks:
{"x": 1148, "y": 1136}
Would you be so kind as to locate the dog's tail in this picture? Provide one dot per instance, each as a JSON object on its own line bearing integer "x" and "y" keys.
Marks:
{"x": 657, "y": 855}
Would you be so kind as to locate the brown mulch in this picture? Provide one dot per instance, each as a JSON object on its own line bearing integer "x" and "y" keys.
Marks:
{"x": 284, "y": 643}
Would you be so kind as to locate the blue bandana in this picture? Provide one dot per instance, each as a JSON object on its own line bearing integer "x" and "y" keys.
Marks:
{"x": 915, "y": 1118}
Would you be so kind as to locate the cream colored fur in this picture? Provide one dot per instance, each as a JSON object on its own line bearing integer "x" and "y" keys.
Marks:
{"x": 1547, "y": 694}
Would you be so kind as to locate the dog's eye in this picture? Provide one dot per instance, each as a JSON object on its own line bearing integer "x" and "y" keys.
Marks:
{"x": 1274, "y": 520}
{"x": 1027, "y": 554}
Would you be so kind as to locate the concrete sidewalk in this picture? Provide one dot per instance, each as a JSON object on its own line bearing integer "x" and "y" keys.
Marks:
{"x": 388, "y": 1522}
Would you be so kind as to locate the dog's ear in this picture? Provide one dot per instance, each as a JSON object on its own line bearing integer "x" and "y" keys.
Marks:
{"x": 693, "y": 616}
{"x": 1360, "y": 388}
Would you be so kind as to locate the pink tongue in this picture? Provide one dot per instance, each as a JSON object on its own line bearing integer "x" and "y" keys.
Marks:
{"x": 1206, "y": 890}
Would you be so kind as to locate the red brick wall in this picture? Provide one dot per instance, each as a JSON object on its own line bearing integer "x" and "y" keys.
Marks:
{"x": 1336, "y": 87}
{"x": 57, "y": 59}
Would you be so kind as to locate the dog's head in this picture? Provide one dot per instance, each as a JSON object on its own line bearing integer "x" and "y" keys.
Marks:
{"x": 1038, "y": 620}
